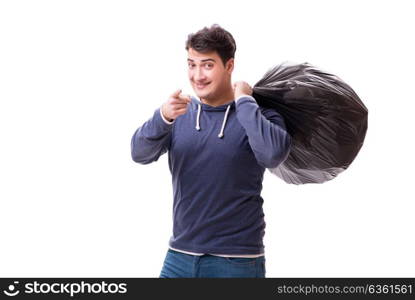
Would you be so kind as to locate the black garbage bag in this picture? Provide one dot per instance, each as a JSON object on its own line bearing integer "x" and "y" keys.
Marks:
{"x": 324, "y": 116}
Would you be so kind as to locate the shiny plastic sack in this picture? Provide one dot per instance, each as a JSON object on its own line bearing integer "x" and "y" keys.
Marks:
{"x": 324, "y": 116}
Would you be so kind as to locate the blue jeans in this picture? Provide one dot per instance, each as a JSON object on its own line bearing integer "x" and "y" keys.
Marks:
{"x": 181, "y": 265}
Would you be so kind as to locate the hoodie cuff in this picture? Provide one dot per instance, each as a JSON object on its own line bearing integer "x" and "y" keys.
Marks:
{"x": 245, "y": 96}
{"x": 164, "y": 119}
{"x": 248, "y": 97}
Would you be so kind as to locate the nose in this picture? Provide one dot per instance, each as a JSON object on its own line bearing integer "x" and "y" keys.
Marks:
{"x": 199, "y": 75}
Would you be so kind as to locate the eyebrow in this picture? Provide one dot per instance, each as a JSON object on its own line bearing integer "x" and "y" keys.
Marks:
{"x": 203, "y": 60}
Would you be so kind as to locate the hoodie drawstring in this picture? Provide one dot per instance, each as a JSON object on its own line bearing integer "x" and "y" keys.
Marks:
{"x": 220, "y": 135}
{"x": 198, "y": 116}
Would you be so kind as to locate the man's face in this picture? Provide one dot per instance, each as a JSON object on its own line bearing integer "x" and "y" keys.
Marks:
{"x": 207, "y": 74}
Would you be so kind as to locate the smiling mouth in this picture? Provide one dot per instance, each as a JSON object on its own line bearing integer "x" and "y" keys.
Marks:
{"x": 201, "y": 86}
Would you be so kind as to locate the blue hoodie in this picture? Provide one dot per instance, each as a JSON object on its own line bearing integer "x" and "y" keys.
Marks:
{"x": 217, "y": 158}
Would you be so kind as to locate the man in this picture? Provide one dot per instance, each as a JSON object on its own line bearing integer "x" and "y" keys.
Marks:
{"x": 219, "y": 144}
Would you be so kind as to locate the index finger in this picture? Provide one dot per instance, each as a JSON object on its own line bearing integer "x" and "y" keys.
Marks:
{"x": 176, "y": 93}
{"x": 185, "y": 98}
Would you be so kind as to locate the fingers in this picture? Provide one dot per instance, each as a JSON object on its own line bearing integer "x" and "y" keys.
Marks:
{"x": 179, "y": 106}
{"x": 242, "y": 87}
{"x": 177, "y": 97}
{"x": 175, "y": 113}
{"x": 176, "y": 93}
{"x": 181, "y": 111}
{"x": 241, "y": 84}
{"x": 176, "y": 105}
{"x": 178, "y": 101}
{"x": 185, "y": 98}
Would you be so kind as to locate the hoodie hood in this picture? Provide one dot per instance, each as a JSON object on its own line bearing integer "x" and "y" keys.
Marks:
{"x": 200, "y": 107}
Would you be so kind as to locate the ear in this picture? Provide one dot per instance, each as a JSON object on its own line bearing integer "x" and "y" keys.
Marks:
{"x": 229, "y": 65}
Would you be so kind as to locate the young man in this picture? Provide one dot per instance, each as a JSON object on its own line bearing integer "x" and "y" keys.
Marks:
{"x": 219, "y": 144}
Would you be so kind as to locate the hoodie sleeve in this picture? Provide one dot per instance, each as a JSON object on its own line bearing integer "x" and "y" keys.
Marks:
{"x": 266, "y": 131}
{"x": 152, "y": 139}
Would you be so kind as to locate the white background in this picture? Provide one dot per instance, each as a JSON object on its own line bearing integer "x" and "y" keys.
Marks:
{"x": 77, "y": 78}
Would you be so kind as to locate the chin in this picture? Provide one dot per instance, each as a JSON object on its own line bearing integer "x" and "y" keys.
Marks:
{"x": 201, "y": 94}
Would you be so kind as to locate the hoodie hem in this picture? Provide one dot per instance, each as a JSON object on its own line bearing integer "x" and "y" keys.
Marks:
{"x": 221, "y": 250}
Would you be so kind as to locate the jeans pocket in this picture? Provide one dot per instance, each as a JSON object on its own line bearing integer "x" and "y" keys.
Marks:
{"x": 241, "y": 261}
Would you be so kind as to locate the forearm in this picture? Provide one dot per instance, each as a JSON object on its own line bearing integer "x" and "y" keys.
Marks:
{"x": 268, "y": 138}
{"x": 151, "y": 139}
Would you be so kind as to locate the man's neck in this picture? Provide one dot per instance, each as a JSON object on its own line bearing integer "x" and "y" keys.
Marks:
{"x": 228, "y": 97}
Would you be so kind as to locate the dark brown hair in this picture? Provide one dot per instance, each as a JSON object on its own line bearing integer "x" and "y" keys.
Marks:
{"x": 210, "y": 39}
